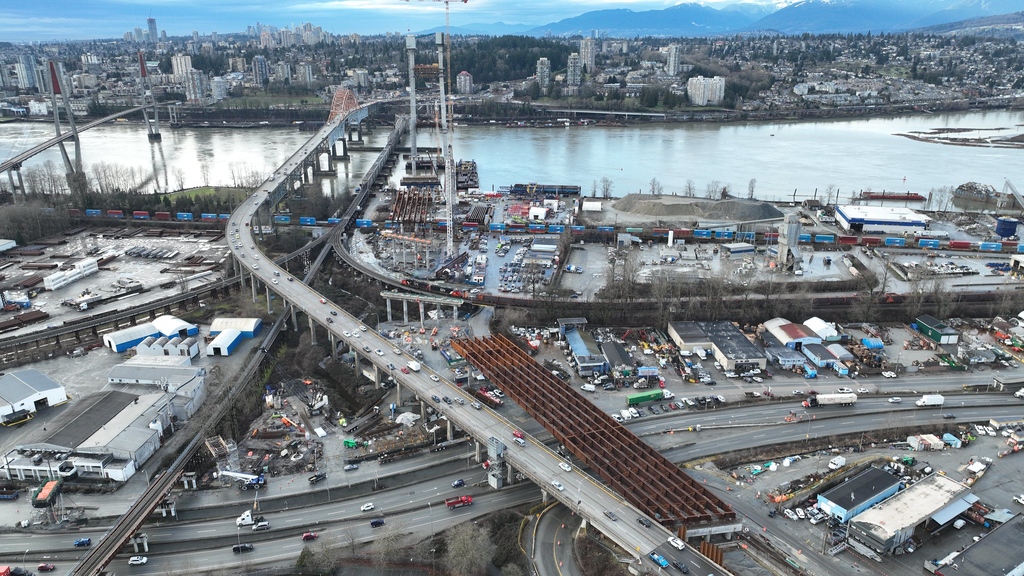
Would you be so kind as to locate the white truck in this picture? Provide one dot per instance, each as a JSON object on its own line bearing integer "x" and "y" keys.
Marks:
{"x": 588, "y": 388}
{"x": 626, "y": 415}
{"x": 837, "y": 463}
{"x": 414, "y": 366}
{"x": 931, "y": 400}
{"x": 246, "y": 519}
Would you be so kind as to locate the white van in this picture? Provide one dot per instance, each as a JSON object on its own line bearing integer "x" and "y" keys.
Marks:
{"x": 626, "y": 415}
{"x": 588, "y": 388}
{"x": 520, "y": 442}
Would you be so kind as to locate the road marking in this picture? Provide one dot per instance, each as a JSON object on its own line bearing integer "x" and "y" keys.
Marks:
{"x": 204, "y": 531}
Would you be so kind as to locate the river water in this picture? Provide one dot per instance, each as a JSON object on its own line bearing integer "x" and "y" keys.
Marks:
{"x": 850, "y": 155}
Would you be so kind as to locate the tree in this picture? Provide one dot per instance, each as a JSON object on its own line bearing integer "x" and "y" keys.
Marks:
{"x": 690, "y": 190}
{"x": 713, "y": 189}
{"x": 467, "y": 546}
{"x": 656, "y": 187}
{"x": 204, "y": 172}
{"x": 606, "y": 187}
{"x": 179, "y": 177}
{"x": 387, "y": 545}
{"x": 750, "y": 188}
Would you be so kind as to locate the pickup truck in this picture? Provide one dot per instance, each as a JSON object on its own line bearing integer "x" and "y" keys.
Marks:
{"x": 657, "y": 558}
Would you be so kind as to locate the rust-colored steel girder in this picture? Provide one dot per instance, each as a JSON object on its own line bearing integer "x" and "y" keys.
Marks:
{"x": 630, "y": 466}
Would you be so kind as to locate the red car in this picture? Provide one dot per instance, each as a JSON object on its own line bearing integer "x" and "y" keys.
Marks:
{"x": 405, "y": 370}
{"x": 517, "y": 433}
{"x": 46, "y": 567}
{"x": 310, "y": 536}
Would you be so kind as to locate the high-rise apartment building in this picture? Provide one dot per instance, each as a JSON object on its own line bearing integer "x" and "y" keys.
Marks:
{"x": 706, "y": 91}
{"x": 219, "y": 88}
{"x": 588, "y": 53}
{"x": 672, "y": 67}
{"x": 283, "y": 72}
{"x": 140, "y": 36}
{"x": 543, "y": 73}
{"x": 25, "y": 68}
{"x": 260, "y": 70}
{"x": 574, "y": 72}
{"x": 304, "y": 74}
{"x": 151, "y": 24}
{"x": 181, "y": 65}
{"x": 464, "y": 83}
{"x": 195, "y": 87}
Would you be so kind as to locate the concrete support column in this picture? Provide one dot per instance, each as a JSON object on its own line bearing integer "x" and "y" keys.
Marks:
{"x": 295, "y": 320}
{"x": 312, "y": 332}
{"x": 376, "y": 376}
{"x": 140, "y": 539}
{"x": 252, "y": 281}
{"x": 334, "y": 346}
{"x": 438, "y": 310}
{"x": 405, "y": 311}
{"x": 451, "y": 429}
{"x": 423, "y": 410}
{"x": 478, "y": 453}
{"x": 455, "y": 312}
{"x": 188, "y": 481}
{"x": 359, "y": 370}
{"x": 388, "y": 302}
{"x": 269, "y": 309}
{"x": 344, "y": 148}
{"x": 423, "y": 315}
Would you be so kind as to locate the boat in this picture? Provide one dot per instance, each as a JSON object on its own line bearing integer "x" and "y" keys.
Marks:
{"x": 900, "y": 196}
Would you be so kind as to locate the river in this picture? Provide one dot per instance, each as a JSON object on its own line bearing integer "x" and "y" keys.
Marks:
{"x": 850, "y": 155}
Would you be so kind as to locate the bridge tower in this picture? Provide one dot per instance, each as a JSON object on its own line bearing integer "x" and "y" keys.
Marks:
{"x": 75, "y": 175}
{"x": 147, "y": 86}
{"x": 410, "y": 48}
{"x": 449, "y": 161}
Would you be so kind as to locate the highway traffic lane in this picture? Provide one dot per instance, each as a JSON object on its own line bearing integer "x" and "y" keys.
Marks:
{"x": 555, "y": 533}
{"x": 285, "y": 550}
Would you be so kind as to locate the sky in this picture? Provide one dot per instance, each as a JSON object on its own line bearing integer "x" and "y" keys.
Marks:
{"x": 42, "y": 20}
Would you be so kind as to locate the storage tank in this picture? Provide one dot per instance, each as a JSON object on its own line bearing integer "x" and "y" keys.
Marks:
{"x": 1006, "y": 227}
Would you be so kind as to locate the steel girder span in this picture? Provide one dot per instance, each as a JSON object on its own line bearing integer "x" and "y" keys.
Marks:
{"x": 629, "y": 465}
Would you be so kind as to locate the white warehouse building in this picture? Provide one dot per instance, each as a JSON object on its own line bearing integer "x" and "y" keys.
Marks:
{"x": 881, "y": 219}
{"x": 29, "y": 390}
{"x": 128, "y": 338}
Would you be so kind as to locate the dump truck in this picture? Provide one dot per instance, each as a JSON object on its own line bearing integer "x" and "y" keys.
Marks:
{"x": 830, "y": 400}
{"x": 458, "y": 502}
{"x": 931, "y": 400}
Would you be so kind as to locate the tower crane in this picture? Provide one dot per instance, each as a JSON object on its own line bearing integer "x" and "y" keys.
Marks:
{"x": 444, "y": 57}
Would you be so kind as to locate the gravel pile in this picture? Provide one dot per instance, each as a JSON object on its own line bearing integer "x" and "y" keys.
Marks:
{"x": 696, "y": 208}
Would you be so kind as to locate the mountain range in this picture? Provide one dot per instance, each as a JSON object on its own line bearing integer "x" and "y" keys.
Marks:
{"x": 803, "y": 16}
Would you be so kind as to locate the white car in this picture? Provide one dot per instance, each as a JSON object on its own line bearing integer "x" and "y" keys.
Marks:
{"x": 378, "y": 352}
{"x": 895, "y": 400}
{"x": 274, "y": 280}
{"x": 888, "y": 374}
{"x": 346, "y": 334}
{"x": 435, "y": 378}
{"x": 366, "y": 507}
{"x": 845, "y": 390}
{"x": 617, "y": 418}
{"x": 677, "y": 543}
{"x": 558, "y": 485}
{"x": 863, "y": 391}
{"x": 565, "y": 466}
{"x": 137, "y": 560}
{"x": 362, "y": 328}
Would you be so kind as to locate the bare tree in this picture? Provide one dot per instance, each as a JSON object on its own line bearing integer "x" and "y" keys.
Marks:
{"x": 606, "y": 187}
{"x": 750, "y": 187}
{"x": 179, "y": 177}
{"x": 656, "y": 187}
{"x": 829, "y": 192}
{"x": 593, "y": 189}
{"x": 713, "y": 189}
{"x": 690, "y": 190}
{"x": 467, "y": 550}
{"x": 388, "y": 544}
{"x": 204, "y": 172}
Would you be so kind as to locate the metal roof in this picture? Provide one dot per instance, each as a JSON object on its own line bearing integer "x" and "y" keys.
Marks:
{"x": 18, "y": 386}
{"x": 91, "y": 414}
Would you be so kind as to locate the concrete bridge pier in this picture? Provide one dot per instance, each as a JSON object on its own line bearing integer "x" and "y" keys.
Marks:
{"x": 188, "y": 481}
{"x": 388, "y": 302}
{"x": 334, "y": 346}
{"x": 266, "y": 289}
{"x": 451, "y": 429}
{"x": 252, "y": 280}
{"x": 423, "y": 315}
{"x": 140, "y": 538}
{"x": 344, "y": 149}
{"x": 376, "y": 376}
{"x": 405, "y": 311}
{"x": 312, "y": 332}
{"x": 295, "y": 320}
{"x": 478, "y": 453}
{"x": 21, "y": 183}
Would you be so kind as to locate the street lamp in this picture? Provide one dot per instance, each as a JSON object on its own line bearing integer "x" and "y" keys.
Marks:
{"x": 24, "y": 557}
{"x": 430, "y": 514}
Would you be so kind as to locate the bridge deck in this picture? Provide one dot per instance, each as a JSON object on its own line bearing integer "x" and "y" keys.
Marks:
{"x": 629, "y": 465}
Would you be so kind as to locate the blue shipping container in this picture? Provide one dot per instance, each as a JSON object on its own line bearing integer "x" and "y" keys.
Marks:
{"x": 577, "y": 229}
{"x": 184, "y": 216}
{"x": 364, "y": 223}
{"x": 803, "y": 238}
{"x": 556, "y": 228}
{"x": 702, "y": 233}
{"x": 606, "y": 228}
{"x": 208, "y": 217}
{"x": 925, "y": 243}
{"x": 224, "y": 216}
{"x": 537, "y": 228}
{"x": 496, "y": 227}
{"x": 333, "y": 221}
{"x": 92, "y": 212}
{"x": 745, "y": 236}
{"x": 310, "y": 221}
{"x": 990, "y": 246}
{"x": 824, "y": 239}
{"x": 898, "y": 242}
{"x": 723, "y": 234}
{"x": 282, "y": 219}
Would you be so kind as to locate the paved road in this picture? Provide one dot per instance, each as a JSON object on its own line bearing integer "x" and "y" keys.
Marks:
{"x": 555, "y": 532}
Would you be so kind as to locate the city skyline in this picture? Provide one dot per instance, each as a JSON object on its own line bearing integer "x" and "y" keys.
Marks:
{"x": 110, "y": 19}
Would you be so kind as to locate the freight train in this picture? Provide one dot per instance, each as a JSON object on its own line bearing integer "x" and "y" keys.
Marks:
{"x": 188, "y": 216}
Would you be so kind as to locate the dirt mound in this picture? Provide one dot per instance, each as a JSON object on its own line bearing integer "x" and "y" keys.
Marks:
{"x": 696, "y": 208}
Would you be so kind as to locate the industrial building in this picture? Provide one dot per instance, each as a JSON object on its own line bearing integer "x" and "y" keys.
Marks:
{"x": 825, "y": 330}
{"x": 172, "y": 326}
{"x": 936, "y": 330}
{"x": 586, "y": 354}
{"x": 930, "y": 503}
{"x": 616, "y": 355}
{"x": 225, "y": 343}
{"x": 172, "y": 374}
{"x": 729, "y": 346}
{"x": 791, "y": 335}
{"x": 780, "y": 355}
{"x": 110, "y": 439}
{"x": 858, "y": 493}
{"x": 164, "y": 346}
{"x": 248, "y": 327}
{"x": 29, "y": 390}
{"x": 688, "y": 336}
{"x": 128, "y": 338}
{"x": 880, "y": 219}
